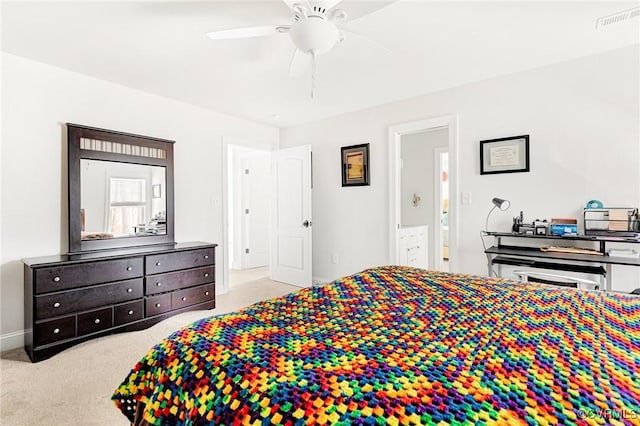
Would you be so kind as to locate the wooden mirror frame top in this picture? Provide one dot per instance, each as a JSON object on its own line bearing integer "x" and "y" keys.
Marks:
{"x": 143, "y": 150}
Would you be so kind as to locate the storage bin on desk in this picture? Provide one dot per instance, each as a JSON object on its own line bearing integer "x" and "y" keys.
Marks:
{"x": 616, "y": 221}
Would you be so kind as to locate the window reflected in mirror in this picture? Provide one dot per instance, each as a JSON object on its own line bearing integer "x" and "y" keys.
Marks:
{"x": 122, "y": 199}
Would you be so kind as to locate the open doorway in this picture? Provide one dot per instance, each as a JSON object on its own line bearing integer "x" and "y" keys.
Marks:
{"x": 423, "y": 198}
{"x": 422, "y": 202}
{"x": 267, "y": 215}
{"x": 248, "y": 195}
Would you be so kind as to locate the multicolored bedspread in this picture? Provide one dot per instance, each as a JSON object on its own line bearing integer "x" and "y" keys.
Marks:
{"x": 397, "y": 345}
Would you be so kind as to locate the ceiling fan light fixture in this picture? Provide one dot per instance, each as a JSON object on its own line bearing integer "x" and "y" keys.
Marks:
{"x": 314, "y": 35}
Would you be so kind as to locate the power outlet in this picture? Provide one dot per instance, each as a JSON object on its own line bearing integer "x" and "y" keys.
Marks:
{"x": 334, "y": 258}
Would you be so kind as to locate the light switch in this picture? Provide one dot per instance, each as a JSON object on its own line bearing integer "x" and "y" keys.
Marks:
{"x": 466, "y": 198}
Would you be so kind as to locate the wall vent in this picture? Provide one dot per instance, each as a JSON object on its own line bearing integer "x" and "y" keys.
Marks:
{"x": 616, "y": 18}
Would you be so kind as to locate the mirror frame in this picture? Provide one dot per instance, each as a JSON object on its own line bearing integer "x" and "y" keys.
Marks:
{"x": 75, "y": 152}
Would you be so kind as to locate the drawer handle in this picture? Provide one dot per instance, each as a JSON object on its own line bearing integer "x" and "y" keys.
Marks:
{"x": 158, "y": 283}
{"x": 157, "y": 263}
{"x": 157, "y": 305}
{"x": 206, "y": 293}
{"x": 129, "y": 290}
{"x": 56, "y": 330}
{"x": 97, "y": 320}
{"x": 184, "y": 298}
{"x": 206, "y": 274}
{"x": 130, "y": 312}
{"x": 206, "y": 256}
{"x": 56, "y": 279}
{"x": 56, "y": 305}
{"x": 129, "y": 268}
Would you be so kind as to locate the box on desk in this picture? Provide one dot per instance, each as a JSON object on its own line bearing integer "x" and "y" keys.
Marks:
{"x": 563, "y": 226}
{"x": 563, "y": 229}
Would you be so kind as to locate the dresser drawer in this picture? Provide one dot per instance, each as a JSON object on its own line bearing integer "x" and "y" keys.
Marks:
{"x": 179, "y": 279}
{"x": 159, "y": 304}
{"x": 70, "y": 276}
{"x": 55, "y": 304}
{"x": 98, "y": 320}
{"x": 55, "y": 330}
{"x": 187, "y": 259}
{"x": 128, "y": 312}
{"x": 193, "y": 295}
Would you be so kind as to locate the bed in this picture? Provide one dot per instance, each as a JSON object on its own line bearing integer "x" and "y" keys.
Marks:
{"x": 399, "y": 346}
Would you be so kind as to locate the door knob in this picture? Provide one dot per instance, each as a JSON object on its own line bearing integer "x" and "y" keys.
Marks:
{"x": 306, "y": 224}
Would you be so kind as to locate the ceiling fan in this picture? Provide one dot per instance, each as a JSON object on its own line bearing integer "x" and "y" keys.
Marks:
{"x": 315, "y": 31}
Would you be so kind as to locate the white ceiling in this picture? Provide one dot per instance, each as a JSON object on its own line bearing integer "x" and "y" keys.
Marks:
{"x": 161, "y": 48}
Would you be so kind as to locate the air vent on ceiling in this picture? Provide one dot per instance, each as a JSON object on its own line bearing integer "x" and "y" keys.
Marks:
{"x": 616, "y": 18}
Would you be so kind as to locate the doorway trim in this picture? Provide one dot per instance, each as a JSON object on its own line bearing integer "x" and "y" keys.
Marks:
{"x": 438, "y": 151}
{"x": 396, "y": 131}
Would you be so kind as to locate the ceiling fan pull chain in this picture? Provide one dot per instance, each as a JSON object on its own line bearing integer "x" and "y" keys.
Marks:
{"x": 313, "y": 74}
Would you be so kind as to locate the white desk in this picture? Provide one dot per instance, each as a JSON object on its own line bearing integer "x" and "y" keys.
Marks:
{"x": 523, "y": 255}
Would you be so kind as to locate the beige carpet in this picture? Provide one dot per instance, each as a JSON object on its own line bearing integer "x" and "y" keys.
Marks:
{"x": 241, "y": 276}
{"x": 75, "y": 386}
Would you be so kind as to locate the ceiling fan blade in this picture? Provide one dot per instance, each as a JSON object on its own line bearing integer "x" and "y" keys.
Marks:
{"x": 300, "y": 63}
{"x": 291, "y": 3}
{"x": 247, "y": 32}
{"x": 350, "y": 34}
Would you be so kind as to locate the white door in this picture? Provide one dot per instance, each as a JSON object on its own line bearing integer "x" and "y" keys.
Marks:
{"x": 256, "y": 194}
{"x": 291, "y": 216}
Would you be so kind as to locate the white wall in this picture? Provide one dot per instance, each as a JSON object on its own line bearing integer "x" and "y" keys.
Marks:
{"x": 37, "y": 100}
{"x": 583, "y": 120}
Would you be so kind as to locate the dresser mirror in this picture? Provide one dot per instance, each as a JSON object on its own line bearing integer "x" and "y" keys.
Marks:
{"x": 120, "y": 189}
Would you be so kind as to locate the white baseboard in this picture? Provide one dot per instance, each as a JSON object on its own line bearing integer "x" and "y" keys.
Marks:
{"x": 319, "y": 281}
{"x": 12, "y": 340}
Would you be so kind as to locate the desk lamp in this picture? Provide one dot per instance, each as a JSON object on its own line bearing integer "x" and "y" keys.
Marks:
{"x": 499, "y": 203}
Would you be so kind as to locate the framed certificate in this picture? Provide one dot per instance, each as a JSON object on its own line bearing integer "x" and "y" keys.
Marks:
{"x": 504, "y": 155}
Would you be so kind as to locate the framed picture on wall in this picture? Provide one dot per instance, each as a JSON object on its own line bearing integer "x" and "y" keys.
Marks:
{"x": 504, "y": 155}
{"x": 355, "y": 165}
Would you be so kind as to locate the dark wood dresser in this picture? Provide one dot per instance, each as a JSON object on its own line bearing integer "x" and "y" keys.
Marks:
{"x": 69, "y": 299}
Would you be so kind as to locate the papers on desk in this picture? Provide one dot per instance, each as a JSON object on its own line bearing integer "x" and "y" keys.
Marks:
{"x": 623, "y": 252}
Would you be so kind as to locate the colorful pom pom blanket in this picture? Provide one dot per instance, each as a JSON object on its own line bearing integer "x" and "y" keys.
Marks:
{"x": 400, "y": 346}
